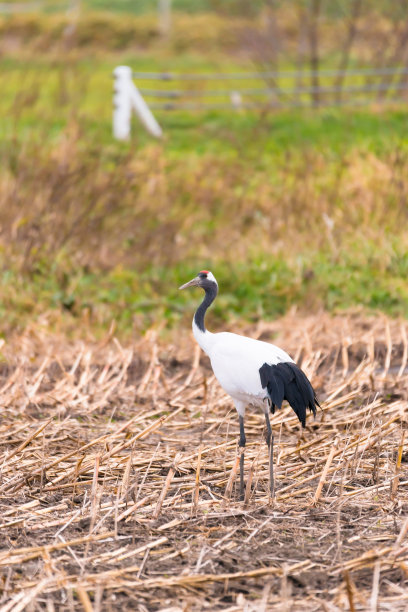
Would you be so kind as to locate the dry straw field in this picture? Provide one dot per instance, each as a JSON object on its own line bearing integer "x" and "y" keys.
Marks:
{"x": 118, "y": 477}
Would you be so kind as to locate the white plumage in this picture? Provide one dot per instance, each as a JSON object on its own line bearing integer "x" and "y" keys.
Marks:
{"x": 252, "y": 372}
{"x": 236, "y": 361}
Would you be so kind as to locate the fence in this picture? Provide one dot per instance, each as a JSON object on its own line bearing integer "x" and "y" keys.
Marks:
{"x": 263, "y": 91}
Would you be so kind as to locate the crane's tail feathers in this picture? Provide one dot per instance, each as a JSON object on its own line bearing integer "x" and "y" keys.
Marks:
{"x": 286, "y": 381}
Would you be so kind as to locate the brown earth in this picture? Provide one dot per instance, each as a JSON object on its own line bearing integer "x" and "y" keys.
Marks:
{"x": 118, "y": 477}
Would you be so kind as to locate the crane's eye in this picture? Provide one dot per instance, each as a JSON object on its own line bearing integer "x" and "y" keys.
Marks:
{"x": 203, "y": 274}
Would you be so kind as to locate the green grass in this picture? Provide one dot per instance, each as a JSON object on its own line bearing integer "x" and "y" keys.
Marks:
{"x": 147, "y": 6}
{"x": 140, "y": 7}
{"x": 95, "y": 230}
{"x": 41, "y": 96}
{"x": 249, "y": 291}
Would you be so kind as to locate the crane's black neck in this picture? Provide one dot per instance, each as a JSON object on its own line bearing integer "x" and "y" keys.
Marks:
{"x": 211, "y": 291}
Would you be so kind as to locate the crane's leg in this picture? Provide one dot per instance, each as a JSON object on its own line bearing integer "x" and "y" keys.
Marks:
{"x": 241, "y": 444}
{"x": 269, "y": 441}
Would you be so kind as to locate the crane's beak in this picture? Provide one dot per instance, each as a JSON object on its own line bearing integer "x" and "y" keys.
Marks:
{"x": 193, "y": 283}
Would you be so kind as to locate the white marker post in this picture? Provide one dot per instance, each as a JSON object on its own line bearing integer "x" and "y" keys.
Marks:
{"x": 236, "y": 100}
{"x": 164, "y": 8}
{"x": 127, "y": 96}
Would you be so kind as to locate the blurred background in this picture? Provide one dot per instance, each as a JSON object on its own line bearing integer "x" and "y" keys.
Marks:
{"x": 283, "y": 165}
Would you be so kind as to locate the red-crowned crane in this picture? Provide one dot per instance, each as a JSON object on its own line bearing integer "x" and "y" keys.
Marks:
{"x": 251, "y": 372}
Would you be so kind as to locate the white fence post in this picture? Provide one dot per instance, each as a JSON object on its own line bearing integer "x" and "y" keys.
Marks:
{"x": 126, "y": 95}
{"x": 122, "y": 108}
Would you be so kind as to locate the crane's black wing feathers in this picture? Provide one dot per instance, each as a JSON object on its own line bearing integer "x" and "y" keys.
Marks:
{"x": 286, "y": 381}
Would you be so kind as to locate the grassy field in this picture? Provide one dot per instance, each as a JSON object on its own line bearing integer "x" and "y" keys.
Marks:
{"x": 303, "y": 209}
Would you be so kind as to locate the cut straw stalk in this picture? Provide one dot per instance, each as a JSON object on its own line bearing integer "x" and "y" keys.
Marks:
{"x": 369, "y": 558}
{"x": 249, "y": 483}
{"x": 232, "y": 476}
{"x": 402, "y": 533}
{"x": 141, "y": 549}
{"x": 152, "y": 364}
{"x": 94, "y": 494}
{"x": 163, "y": 492}
{"x": 84, "y": 598}
{"x": 186, "y": 581}
{"x": 21, "y": 600}
{"x": 382, "y": 487}
{"x": 135, "y": 506}
{"x": 376, "y": 587}
{"x": 395, "y": 480}
{"x": 28, "y": 440}
{"x": 19, "y": 555}
{"x": 350, "y": 588}
{"x": 126, "y": 475}
{"x": 325, "y": 472}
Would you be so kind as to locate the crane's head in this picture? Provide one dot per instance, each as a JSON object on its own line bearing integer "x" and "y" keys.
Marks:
{"x": 204, "y": 279}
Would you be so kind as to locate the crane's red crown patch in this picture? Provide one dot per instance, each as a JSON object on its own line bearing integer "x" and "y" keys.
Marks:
{"x": 204, "y": 272}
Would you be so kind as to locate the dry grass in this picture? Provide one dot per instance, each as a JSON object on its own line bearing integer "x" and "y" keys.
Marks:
{"x": 115, "y": 477}
{"x": 131, "y": 209}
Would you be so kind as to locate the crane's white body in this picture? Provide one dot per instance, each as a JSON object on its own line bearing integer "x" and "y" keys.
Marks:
{"x": 251, "y": 372}
{"x": 236, "y": 361}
